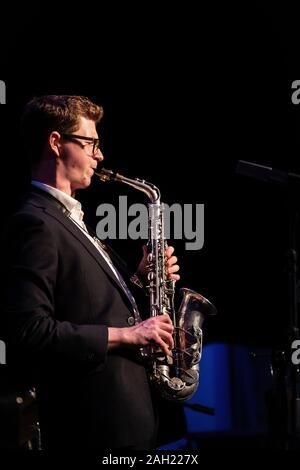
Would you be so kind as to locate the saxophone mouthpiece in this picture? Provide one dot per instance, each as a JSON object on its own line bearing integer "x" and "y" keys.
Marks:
{"x": 105, "y": 175}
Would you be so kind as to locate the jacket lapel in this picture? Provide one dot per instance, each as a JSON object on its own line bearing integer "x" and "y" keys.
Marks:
{"x": 52, "y": 208}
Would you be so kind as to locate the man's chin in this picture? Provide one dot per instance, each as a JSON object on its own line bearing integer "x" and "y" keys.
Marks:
{"x": 84, "y": 183}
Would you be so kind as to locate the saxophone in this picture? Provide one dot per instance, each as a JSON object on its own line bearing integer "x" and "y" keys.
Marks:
{"x": 175, "y": 377}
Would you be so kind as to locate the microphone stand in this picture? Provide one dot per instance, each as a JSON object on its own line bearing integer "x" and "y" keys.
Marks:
{"x": 293, "y": 395}
{"x": 286, "y": 373}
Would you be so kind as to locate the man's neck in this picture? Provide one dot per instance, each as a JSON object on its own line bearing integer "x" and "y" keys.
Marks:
{"x": 53, "y": 181}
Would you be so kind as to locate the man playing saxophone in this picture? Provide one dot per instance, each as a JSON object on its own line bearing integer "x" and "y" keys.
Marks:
{"x": 70, "y": 317}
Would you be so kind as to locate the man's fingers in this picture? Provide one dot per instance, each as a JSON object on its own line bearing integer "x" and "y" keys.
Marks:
{"x": 173, "y": 269}
{"x": 164, "y": 319}
{"x": 164, "y": 346}
{"x": 172, "y": 260}
{"x": 167, "y": 338}
{"x": 169, "y": 251}
{"x": 171, "y": 265}
{"x": 162, "y": 330}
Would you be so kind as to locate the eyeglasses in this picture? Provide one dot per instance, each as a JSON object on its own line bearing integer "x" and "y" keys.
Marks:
{"x": 91, "y": 141}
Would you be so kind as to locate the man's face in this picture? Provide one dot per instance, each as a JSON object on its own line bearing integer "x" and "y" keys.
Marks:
{"x": 77, "y": 162}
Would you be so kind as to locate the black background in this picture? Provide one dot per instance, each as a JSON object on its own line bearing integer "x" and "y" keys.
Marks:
{"x": 187, "y": 91}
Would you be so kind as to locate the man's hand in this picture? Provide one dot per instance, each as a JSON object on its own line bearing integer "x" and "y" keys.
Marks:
{"x": 171, "y": 264}
{"x": 155, "y": 330}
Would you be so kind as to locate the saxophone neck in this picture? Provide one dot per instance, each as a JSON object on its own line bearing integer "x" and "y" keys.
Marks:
{"x": 149, "y": 189}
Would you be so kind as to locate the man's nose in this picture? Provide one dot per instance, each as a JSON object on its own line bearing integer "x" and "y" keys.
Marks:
{"x": 98, "y": 155}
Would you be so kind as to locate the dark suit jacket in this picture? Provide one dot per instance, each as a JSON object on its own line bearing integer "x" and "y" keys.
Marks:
{"x": 60, "y": 298}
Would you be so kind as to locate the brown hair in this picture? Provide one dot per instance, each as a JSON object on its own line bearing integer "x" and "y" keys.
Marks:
{"x": 61, "y": 113}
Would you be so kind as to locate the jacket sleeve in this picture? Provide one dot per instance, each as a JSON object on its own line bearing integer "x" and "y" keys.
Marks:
{"x": 30, "y": 269}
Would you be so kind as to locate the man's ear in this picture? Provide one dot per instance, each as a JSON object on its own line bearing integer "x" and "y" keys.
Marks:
{"x": 54, "y": 142}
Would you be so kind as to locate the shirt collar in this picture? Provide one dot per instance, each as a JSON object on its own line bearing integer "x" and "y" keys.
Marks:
{"x": 69, "y": 202}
